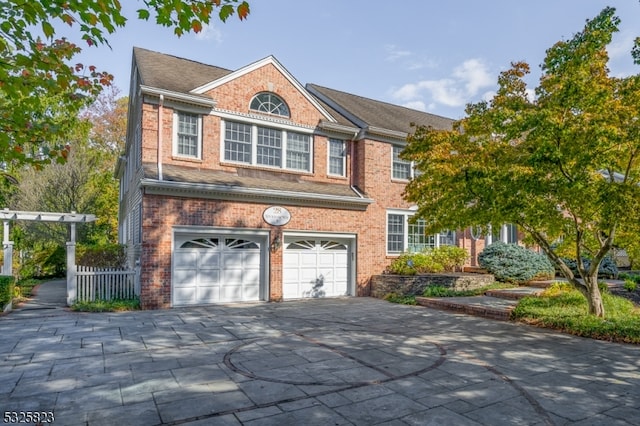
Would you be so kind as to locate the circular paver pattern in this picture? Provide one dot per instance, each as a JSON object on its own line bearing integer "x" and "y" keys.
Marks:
{"x": 335, "y": 358}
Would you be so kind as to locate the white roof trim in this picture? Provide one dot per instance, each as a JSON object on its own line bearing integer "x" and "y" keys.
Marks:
{"x": 7, "y": 214}
{"x": 177, "y": 96}
{"x": 269, "y": 60}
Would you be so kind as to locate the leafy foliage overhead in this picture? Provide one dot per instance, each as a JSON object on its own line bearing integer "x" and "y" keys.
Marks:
{"x": 565, "y": 164}
{"x": 42, "y": 90}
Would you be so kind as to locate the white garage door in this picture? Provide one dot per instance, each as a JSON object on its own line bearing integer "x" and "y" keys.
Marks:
{"x": 216, "y": 269}
{"x": 315, "y": 267}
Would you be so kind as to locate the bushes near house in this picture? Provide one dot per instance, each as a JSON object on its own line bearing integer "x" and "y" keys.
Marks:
{"x": 607, "y": 268}
{"x": 514, "y": 263}
{"x": 6, "y": 289}
{"x": 440, "y": 259}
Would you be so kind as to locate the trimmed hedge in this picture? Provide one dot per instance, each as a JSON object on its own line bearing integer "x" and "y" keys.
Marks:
{"x": 514, "y": 263}
{"x": 6, "y": 289}
{"x": 440, "y": 259}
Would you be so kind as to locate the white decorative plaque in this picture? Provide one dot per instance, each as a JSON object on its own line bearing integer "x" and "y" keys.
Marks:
{"x": 276, "y": 216}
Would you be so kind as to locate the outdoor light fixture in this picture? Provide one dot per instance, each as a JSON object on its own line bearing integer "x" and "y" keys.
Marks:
{"x": 276, "y": 243}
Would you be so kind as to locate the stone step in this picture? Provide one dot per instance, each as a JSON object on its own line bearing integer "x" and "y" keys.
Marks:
{"x": 482, "y": 306}
{"x": 515, "y": 293}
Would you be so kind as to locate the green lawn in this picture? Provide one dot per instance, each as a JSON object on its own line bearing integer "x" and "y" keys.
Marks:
{"x": 563, "y": 308}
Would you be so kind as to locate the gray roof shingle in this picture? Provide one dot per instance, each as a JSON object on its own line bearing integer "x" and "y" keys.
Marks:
{"x": 379, "y": 114}
{"x": 181, "y": 75}
{"x": 172, "y": 73}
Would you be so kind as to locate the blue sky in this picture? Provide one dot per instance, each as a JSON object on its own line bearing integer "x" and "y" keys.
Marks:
{"x": 427, "y": 55}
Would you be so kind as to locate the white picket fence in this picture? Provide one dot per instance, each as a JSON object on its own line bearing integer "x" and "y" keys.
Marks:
{"x": 105, "y": 284}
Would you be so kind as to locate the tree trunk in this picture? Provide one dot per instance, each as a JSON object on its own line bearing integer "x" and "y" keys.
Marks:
{"x": 592, "y": 294}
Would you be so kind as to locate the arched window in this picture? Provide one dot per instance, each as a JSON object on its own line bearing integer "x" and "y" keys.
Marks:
{"x": 269, "y": 103}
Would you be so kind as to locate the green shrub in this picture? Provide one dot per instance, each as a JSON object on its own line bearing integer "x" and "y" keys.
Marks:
{"x": 629, "y": 276}
{"x": 6, "y": 289}
{"x": 607, "y": 268}
{"x": 630, "y": 285}
{"x": 398, "y": 298}
{"x": 514, "y": 263}
{"x": 117, "y": 305}
{"x": 440, "y": 259}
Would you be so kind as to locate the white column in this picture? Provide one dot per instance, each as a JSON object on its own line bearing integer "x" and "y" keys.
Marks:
{"x": 504, "y": 235}
{"x": 71, "y": 266}
{"x": 7, "y": 267}
{"x": 488, "y": 239}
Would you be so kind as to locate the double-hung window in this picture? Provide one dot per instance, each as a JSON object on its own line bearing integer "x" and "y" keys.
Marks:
{"x": 266, "y": 146}
{"x": 337, "y": 157}
{"x": 269, "y": 147}
{"x": 187, "y": 134}
{"x": 403, "y": 236}
{"x": 401, "y": 169}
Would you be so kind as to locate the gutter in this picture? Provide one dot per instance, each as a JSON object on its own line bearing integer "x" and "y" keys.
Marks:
{"x": 177, "y": 96}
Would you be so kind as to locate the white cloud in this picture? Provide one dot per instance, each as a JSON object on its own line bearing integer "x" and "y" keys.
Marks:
{"x": 475, "y": 75}
{"x": 210, "y": 32}
{"x": 466, "y": 81}
{"x": 394, "y": 53}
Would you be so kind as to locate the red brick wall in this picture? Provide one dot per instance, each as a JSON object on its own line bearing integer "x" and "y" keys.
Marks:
{"x": 161, "y": 213}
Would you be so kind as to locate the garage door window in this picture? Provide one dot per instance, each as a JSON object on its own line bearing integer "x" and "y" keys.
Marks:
{"x": 201, "y": 243}
{"x": 240, "y": 244}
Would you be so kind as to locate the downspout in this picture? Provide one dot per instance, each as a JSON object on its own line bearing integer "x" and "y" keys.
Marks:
{"x": 160, "y": 115}
{"x": 353, "y": 163}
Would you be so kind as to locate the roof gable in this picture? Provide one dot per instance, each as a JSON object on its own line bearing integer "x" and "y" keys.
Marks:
{"x": 269, "y": 60}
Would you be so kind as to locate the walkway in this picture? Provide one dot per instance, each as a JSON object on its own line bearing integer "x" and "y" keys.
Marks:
{"x": 355, "y": 361}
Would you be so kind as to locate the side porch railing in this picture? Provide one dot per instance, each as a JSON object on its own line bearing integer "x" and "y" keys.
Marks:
{"x": 106, "y": 283}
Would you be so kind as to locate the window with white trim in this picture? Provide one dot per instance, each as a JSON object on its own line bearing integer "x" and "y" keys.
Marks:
{"x": 401, "y": 169}
{"x": 187, "y": 134}
{"x": 403, "y": 236}
{"x": 270, "y": 103}
{"x": 337, "y": 157}
{"x": 266, "y": 146}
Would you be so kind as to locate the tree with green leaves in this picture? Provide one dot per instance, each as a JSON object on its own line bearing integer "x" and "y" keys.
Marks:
{"x": 42, "y": 91}
{"x": 564, "y": 166}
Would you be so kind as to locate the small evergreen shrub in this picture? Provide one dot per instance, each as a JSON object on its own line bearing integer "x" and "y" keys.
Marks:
{"x": 441, "y": 259}
{"x": 607, "y": 268}
{"x": 514, "y": 263}
{"x": 6, "y": 289}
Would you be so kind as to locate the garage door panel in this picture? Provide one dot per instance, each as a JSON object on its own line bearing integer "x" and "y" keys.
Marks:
{"x": 185, "y": 260}
{"x": 184, "y": 295}
{"x": 209, "y": 260}
{"x": 216, "y": 269}
{"x": 184, "y": 276}
{"x": 231, "y": 293}
{"x": 315, "y": 268}
{"x": 208, "y": 294}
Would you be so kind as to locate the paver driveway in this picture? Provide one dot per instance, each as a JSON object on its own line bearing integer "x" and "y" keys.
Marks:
{"x": 348, "y": 361}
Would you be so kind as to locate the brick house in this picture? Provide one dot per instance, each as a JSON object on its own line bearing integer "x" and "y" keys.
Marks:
{"x": 246, "y": 185}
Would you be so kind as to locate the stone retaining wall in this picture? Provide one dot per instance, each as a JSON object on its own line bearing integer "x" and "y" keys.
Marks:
{"x": 415, "y": 284}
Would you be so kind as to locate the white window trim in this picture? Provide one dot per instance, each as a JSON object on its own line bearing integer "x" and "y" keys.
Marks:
{"x": 412, "y": 167}
{"x": 407, "y": 214}
{"x": 174, "y": 150}
{"x": 344, "y": 157}
{"x": 254, "y": 146}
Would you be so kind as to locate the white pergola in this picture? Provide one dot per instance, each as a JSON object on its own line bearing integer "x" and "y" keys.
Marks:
{"x": 72, "y": 219}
